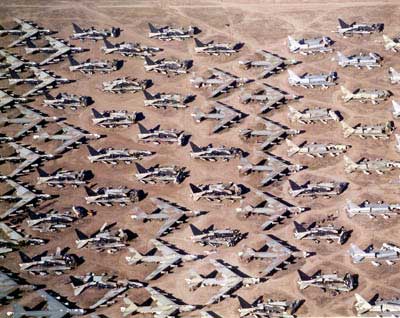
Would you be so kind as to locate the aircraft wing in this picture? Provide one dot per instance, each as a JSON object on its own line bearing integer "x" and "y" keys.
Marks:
{"x": 275, "y": 263}
{"x": 221, "y": 88}
{"x": 225, "y": 290}
{"x": 67, "y": 144}
{"x": 21, "y": 203}
{"x": 223, "y": 270}
{"x": 27, "y": 127}
{"x": 270, "y": 139}
{"x": 163, "y": 266}
{"x": 7, "y": 285}
{"x": 40, "y": 86}
{"x": 165, "y": 205}
{"x": 24, "y": 37}
{"x": 159, "y": 298}
{"x": 108, "y": 296}
{"x": 77, "y": 29}
{"x": 172, "y": 219}
{"x": 25, "y": 164}
{"x": 276, "y": 245}
{"x": 56, "y": 308}
{"x": 270, "y": 175}
{"x": 55, "y": 55}
{"x": 5, "y": 99}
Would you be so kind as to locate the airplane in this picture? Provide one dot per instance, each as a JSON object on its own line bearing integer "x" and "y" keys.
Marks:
{"x": 272, "y": 167}
{"x": 44, "y": 264}
{"x": 317, "y": 233}
{"x": 231, "y": 280}
{"x": 55, "y": 308}
{"x": 66, "y": 100}
{"x": 372, "y": 209}
{"x": 224, "y": 115}
{"x": 272, "y": 133}
{"x": 114, "y": 156}
{"x": 276, "y": 209}
{"x": 347, "y": 30}
{"x": 125, "y": 84}
{"x": 210, "y": 153}
{"x": 278, "y": 253}
{"x": 392, "y": 44}
{"x": 129, "y": 49}
{"x": 170, "y": 213}
{"x": 216, "y": 238}
{"x": 11, "y": 285}
{"x": 331, "y": 282}
{"x": 114, "y": 118}
{"x": 310, "y": 46}
{"x": 60, "y": 178}
{"x": 91, "y": 67}
{"x": 380, "y": 166}
{"x": 312, "y": 80}
{"x": 309, "y": 189}
{"x": 58, "y": 49}
{"x": 30, "y": 158}
{"x": 369, "y": 61}
{"x": 9, "y": 100}
{"x": 394, "y": 76}
{"x": 381, "y": 307}
{"x": 375, "y": 96}
{"x": 13, "y": 63}
{"x": 315, "y": 150}
{"x": 170, "y": 257}
{"x": 158, "y": 135}
{"x": 212, "y": 48}
{"x": 29, "y": 118}
{"x": 164, "y": 100}
{"x": 312, "y": 115}
{"x": 103, "y": 239}
{"x": 217, "y": 192}
{"x": 107, "y": 196}
{"x": 160, "y": 174}
{"x": 271, "y": 63}
{"x": 93, "y": 34}
{"x": 24, "y": 197}
{"x": 268, "y": 97}
{"x": 168, "y": 33}
{"x": 388, "y": 253}
{"x": 167, "y": 67}
{"x": 68, "y": 135}
{"x": 377, "y": 131}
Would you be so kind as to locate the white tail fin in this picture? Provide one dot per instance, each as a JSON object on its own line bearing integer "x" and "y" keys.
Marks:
{"x": 293, "y": 148}
{"x": 362, "y": 306}
{"x": 347, "y": 95}
{"x": 349, "y": 165}
{"x": 348, "y": 131}
{"x": 130, "y": 309}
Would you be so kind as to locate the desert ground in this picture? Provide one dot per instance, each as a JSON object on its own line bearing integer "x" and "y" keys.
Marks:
{"x": 259, "y": 25}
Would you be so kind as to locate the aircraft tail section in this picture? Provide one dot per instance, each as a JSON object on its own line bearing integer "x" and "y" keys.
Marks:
{"x": 294, "y": 186}
{"x": 140, "y": 168}
{"x": 356, "y": 253}
{"x": 72, "y": 61}
{"x": 347, "y": 130}
{"x": 349, "y": 165}
{"x": 142, "y": 129}
{"x": 147, "y": 95}
{"x": 343, "y": 24}
{"x": 130, "y": 307}
{"x": 243, "y": 303}
{"x": 347, "y": 95}
{"x": 148, "y": 61}
{"x": 152, "y": 28}
{"x": 92, "y": 151}
{"x": 194, "y": 188}
{"x": 195, "y": 230}
{"x": 82, "y": 239}
{"x": 299, "y": 228}
{"x": 292, "y": 148}
{"x": 197, "y": 114}
{"x": 24, "y": 258}
{"x": 294, "y": 76}
{"x": 194, "y": 280}
{"x": 303, "y": 276}
{"x": 362, "y": 306}
{"x": 134, "y": 257}
{"x": 194, "y": 147}
{"x": 108, "y": 44}
{"x": 198, "y": 43}
{"x": 293, "y": 44}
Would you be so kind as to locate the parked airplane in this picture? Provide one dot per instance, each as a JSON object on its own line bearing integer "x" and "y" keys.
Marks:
{"x": 374, "y": 96}
{"x": 91, "y": 67}
{"x": 164, "y": 100}
{"x": 114, "y": 156}
{"x": 347, "y": 30}
{"x": 268, "y": 308}
{"x": 168, "y": 33}
{"x": 386, "y": 210}
{"x": 380, "y": 166}
{"x": 391, "y": 43}
{"x": 394, "y": 76}
{"x": 125, "y": 84}
{"x": 158, "y": 135}
{"x": 212, "y": 48}
{"x": 9, "y": 100}
{"x": 215, "y": 238}
{"x": 369, "y": 61}
{"x": 129, "y": 49}
{"x": 377, "y": 131}
{"x": 11, "y": 62}
{"x": 60, "y": 178}
{"x": 66, "y": 101}
{"x": 217, "y": 192}
{"x": 108, "y": 196}
{"x": 210, "y": 153}
{"x": 310, "y": 46}
{"x": 11, "y": 285}
{"x": 167, "y": 67}
{"x": 160, "y": 174}
{"x": 380, "y": 307}
{"x": 331, "y": 282}
{"x": 93, "y": 34}
{"x": 316, "y": 150}
{"x": 114, "y": 118}
{"x": 312, "y": 80}
{"x": 388, "y": 253}
{"x": 318, "y": 233}
{"x": 309, "y": 189}
{"x": 312, "y": 115}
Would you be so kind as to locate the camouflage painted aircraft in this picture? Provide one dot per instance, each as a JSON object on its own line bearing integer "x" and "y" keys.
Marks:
{"x": 315, "y": 150}
{"x": 167, "y": 67}
{"x": 125, "y": 84}
{"x": 309, "y": 189}
{"x": 374, "y": 96}
{"x": 9, "y": 100}
{"x": 108, "y": 196}
{"x": 318, "y": 233}
{"x": 114, "y": 118}
{"x": 215, "y": 237}
{"x": 212, "y": 48}
{"x": 66, "y": 101}
{"x": 129, "y": 49}
{"x": 160, "y": 174}
{"x": 331, "y": 282}
{"x": 114, "y": 156}
{"x": 312, "y": 80}
{"x": 347, "y": 30}
{"x": 310, "y": 46}
{"x": 93, "y": 34}
{"x": 61, "y": 178}
{"x": 164, "y": 100}
{"x": 269, "y": 308}
{"x": 377, "y": 131}
{"x": 158, "y": 135}
{"x": 217, "y": 192}
{"x": 168, "y": 33}
{"x": 91, "y": 67}
{"x": 211, "y": 153}
{"x": 312, "y": 115}
{"x": 380, "y": 166}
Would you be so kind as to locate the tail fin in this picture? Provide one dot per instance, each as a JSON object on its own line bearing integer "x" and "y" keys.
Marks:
{"x": 108, "y": 44}
{"x": 356, "y": 252}
{"x": 293, "y": 44}
{"x": 42, "y": 173}
{"x": 349, "y": 165}
{"x": 343, "y": 24}
{"x": 293, "y": 148}
{"x": 198, "y": 43}
{"x": 147, "y": 95}
{"x": 142, "y": 129}
{"x": 130, "y": 309}
{"x": 72, "y": 61}
{"x": 92, "y": 151}
{"x": 194, "y": 188}
{"x": 96, "y": 114}
{"x": 293, "y": 75}
{"x": 347, "y": 95}
{"x": 14, "y": 74}
{"x": 90, "y": 192}
{"x": 362, "y": 306}
{"x": 135, "y": 256}
{"x": 24, "y": 258}
{"x": 195, "y": 230}
{"x": 48, "y": 96}
{"x": 152, "y": 28}
{"x": 148, "y": 61}
{"x": 197, "y": 114}
{"x": 389, "y": 43}
{"x": 341, "y": 57}
{"x": 303, "y": 276}
{"x": 298, "y": 227}
{"x": 30, "y": 44}
{"x": 350, "y": 205}
{"x": 81, "y": 235}
{"x": 243, "y": 303}
{"x": 293, "y": 185}
{"x": 348, "y": 131}
{"x": 140, "y": 168}
{"x": 194, "y": 280}
{"x": 292, "y": 110}
{"x": 194, "y": 147}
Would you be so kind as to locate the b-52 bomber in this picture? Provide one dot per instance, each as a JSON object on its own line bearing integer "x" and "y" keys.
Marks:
{"x": 310, "y": 46}
{"x": 315, "y": 150}
{"x": 217, "y": 192}
{"x": 66, "y": 101}
{"x": 374, "y": 96}
{"x": 168, "y": 212}
{"x": 168, "y": 33}
{"x": 124, "y": 84}
{"x": 12, "y": 63}
{"x": 388, "y": 253}
{"x": 61, "y": 178}
{"x": 369, "y": 61}
{"x": 271, "y": 64}
{"x": 93, "y": 34}
{"x": 394, "y": 76}
{"x": 231, "y": 281}
{"x": 318, "y": 189}
{"x": 91, "y": 67}
{"x": 114, "y": 156}
{"x": 167, "y": 67}
{"x": 377, "y": 131}
{"x": 9, "y": 100}
{"x": 268, "y": 308}
{"x": 312, "y": 115}
{"x": 158, "y": 135}
{"x": 379, "y": 307}
{"x": 331, "y": 282}
{"x": 312, "y": 80}
{"x": 215, "y": 238}
{"x": 11, "y": 285}
{"x": 380, "y": 166}
{"x": 169, "y": 258}
{"x": 160, "y": 174}
{"x": 347, "y": 30}
{"x": 211, "y": 153}
{"x": 164, "y": 100}
{"x": 212, "y": 48}
{"x": 108, "y": 196}
{"x": 129, "y": 49}
{"x": 114, "y": 118}
{"x": 372, "y": 210}
{"x": 318, "y": 233}
{"x": 392, "y": 44}
{"x": 224, "y": 115}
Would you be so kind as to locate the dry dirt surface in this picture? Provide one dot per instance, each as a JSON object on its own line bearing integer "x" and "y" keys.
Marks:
{"x": 260, "y": 25}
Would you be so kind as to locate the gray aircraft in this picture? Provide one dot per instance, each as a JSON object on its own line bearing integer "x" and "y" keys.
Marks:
{"x": 372, "y": 209}
{"x": 114, "y": 156}
{"x": 168, "y": 33}
{"x": 129, "y": 49}
{"x": 312, "y": 115}
{"x": 124, "y": 84}
{"x": 274, "y": 208}
{"x": 93, "y": 34}
{"x": 114, "y": 118}
{"x": 168, "y": 212}
{"x": 231, "y": 280}
{"x": 380, "y": 166}
{"x": 167, "y": 67}
{"x": 309, "y": 189}
{"x": 318, "y": 233}
{"x": 215, "y": 238}
{"x": 91, "y": 67}
{"x": 369, "y": 61}
{"x": 210, "y": 153}
{"x": 392, "y": 44}
{"x": 379, "y": 307}
{"x": 377, "y": 131}
{"x": 331, "y": 282}
{"x": 374, "y": 96}
{"x": 108, "y": 196}
{"x": 312, "y": 80}
{"x": 212, "y": 48}
{"x": 158, "y": 135}
{"x": 269, "y": 308}
{"x": 271, "y": 63}
{"x": 164, "y": 100}
{"x": 272, "y": 133}
{"x": 10, "y": 62}
{"x": 315, "y": 150}
{"x": 170, "y": 257}
{"x": 66, "y": 101}
{"x": 61, "y": 178}
{"x": 347, "y": 30}
{"x": 160, "y": 174}
{"x": 68, "y": 135}
{"x": 388, "y": 253}
{"x": 224, "y": 115}
{"x": 276, "y": 252}
{"x": 310, "y": 46}
{"x": 11, "y": 285}
{"x": 217, "y": 192}
{"x": 44, "y": 264}
{"x": 9, "y": 100}
{"x": 394, "y": 76}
